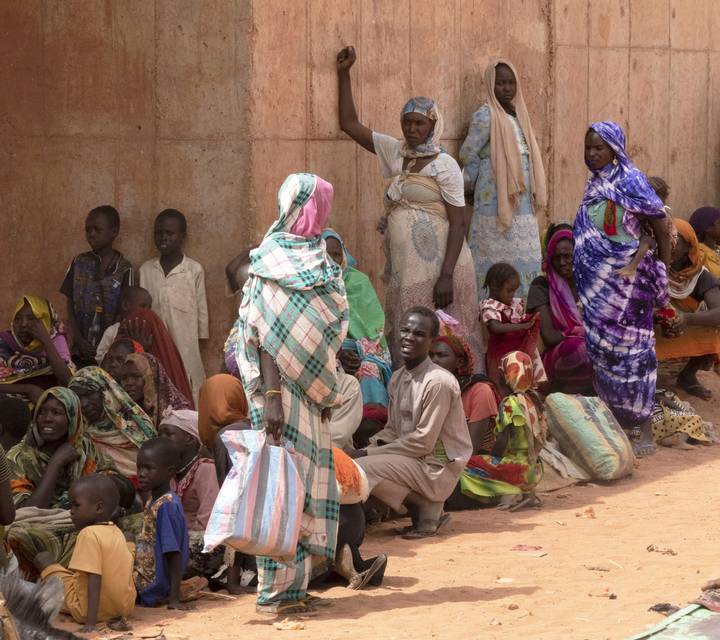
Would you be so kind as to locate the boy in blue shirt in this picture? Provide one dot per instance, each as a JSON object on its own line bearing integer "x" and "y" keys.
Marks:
{"x": 163, "y": 547}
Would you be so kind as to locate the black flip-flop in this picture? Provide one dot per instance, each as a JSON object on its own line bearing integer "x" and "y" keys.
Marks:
{"x": 423, "y": 529}
{"x": 379, "y": 563}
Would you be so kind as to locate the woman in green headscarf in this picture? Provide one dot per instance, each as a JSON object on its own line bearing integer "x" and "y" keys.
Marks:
{"x": 364, "y": 352}
{"x": 112, "y": 419}
{"x": 54, "y": 453}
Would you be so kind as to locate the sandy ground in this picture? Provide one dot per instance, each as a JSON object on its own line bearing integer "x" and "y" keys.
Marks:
{"x": 468, "y": 584}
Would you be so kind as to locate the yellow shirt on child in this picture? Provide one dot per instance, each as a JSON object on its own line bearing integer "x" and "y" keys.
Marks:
{"x": 102, "y": 549}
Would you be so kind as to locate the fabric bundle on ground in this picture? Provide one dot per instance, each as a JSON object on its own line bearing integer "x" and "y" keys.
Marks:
{"x": 589, "y": 435}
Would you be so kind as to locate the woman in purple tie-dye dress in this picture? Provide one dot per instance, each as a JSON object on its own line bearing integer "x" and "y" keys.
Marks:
{"x": 617, "y": 310}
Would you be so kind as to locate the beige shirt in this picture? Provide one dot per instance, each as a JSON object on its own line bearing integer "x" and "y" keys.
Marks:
{"x": 179, "y": 299}
{"x": 425, "y": 407}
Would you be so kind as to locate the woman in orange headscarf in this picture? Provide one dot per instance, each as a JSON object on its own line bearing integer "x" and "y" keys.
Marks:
{"x": 695, "y": 295}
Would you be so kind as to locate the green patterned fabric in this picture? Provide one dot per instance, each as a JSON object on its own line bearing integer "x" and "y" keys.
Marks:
{"x": 28, "y": 462}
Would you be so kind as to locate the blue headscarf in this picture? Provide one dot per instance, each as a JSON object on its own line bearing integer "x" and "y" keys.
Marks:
{"x": 349, "y": 260}
{"x": 426, "y": 107}
{"x": 622, "y": 183}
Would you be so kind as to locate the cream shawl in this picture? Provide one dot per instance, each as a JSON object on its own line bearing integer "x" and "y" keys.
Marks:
{"x": 505, "y": 161}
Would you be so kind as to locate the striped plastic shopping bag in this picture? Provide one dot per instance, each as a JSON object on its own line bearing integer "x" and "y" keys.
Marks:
{"x": 260, "y": 504}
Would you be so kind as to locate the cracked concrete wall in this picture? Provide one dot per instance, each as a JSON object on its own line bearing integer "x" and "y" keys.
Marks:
{"x": 207, "y": 105}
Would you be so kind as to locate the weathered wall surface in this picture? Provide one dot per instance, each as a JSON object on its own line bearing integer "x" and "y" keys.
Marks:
{"x": 207, "y": 105}
{"x": 652, "y": 66}
{"x": 134, "y": 103}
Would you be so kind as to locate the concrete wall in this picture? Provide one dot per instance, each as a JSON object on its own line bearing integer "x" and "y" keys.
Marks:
{"x": 207, "y": 105}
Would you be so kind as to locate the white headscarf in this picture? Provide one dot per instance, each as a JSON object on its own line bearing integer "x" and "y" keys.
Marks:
{"x": 185, "y": 419}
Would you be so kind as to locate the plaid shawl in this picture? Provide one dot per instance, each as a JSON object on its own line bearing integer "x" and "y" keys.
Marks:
{"x": 294, "y": 307}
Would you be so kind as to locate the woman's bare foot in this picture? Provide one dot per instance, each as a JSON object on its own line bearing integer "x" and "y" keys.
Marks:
{"x": 677, "y": 440}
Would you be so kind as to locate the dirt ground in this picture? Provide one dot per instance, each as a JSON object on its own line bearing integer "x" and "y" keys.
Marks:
{"x": 467, "y": 583}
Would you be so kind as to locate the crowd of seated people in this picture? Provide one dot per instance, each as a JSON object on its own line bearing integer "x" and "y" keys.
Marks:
{"x": 111, "y": 454}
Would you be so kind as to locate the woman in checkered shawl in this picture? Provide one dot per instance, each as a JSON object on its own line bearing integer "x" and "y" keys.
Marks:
{"x": 293, "y": 319}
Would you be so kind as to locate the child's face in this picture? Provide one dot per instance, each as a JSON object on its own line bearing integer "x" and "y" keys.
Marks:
{"x": 85, "y": 510}
{"x": 114, "y": 359}
{"x": 506, "y": 293}
{"x": 168, "y": 237}
{"x": 151, "y": 472}
{"x": 52, "y": 421}
{"x": 133, "y": 382}
{"x": 182, "y": 439}
{"x": 98, "y": 232}
{"x": 141, "y": 300}
{"x": 334, "y": 250}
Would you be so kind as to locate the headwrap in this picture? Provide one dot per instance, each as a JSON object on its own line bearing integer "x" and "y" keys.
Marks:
{"x": 366, "y": 329}
{"x": 72, "y": 408}
{"x": 465, "y": 375}
{"x": 28, "y": 463}
{"x": 136, "y": 346}
{"x": 516, "y": 370}
{"x": 163, "y": 348}
{"x": 702, "y": 219}
{"x": 221, "y": 402}
{"x": 43, "y": 310}
{"x": 186, "y": 420}
{"x": 314, "y": 213}
{"x": 120, "y": 412}
{"x": 18, "y": 362}
{"x": 565, "y": 313}
{"x": 431, "y": 146}
{"x": 505, "y": 160}
{"x": 160, "y": 392}
{"x": 547, "y": 234}
{"x": 682, "y": 283}
{"x": 348, "y": 260}
{"x": 622, "y": 183}
{"x": 294, "y": 307}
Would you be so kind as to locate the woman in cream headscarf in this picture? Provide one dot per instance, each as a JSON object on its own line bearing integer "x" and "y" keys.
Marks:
{"x": 507, "y": 177}
{"x": 428, "y": 261}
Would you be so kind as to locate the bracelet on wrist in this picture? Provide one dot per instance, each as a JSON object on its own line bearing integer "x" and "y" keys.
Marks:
{"x": 272, "y": 391}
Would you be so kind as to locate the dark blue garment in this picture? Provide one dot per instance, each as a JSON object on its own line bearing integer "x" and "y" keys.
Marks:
{"x": 171, "y": 534}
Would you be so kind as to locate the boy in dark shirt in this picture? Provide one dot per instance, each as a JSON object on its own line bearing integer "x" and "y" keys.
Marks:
{"x": 94, "y": 281}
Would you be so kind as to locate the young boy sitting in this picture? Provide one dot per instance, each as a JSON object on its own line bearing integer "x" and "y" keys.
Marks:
{"x": 177, "y": 286}
{"x": 93, "y": 283}
{"x": 99, "y": 583}
{"x": 163, "y": 548}
{"x": 131, "y": 299}
{"x": 15, "y": 418}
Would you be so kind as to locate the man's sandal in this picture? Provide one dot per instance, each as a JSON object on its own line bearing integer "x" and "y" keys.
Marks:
{"x": 428, "y": 528}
